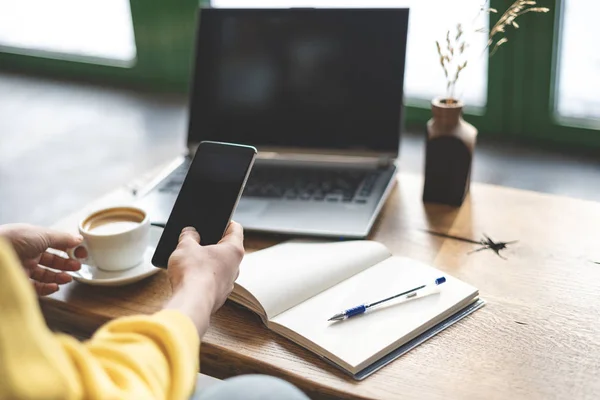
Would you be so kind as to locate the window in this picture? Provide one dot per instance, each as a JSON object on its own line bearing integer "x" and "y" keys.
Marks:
{"x": 98, "y": 31}
{"x": 137, "y": 42}
{"x": 578, "y": 61}
{"x": 558, "y": 62}
{"x": 424, "y": 79}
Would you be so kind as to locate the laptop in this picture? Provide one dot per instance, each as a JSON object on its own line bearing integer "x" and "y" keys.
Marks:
{"x": 319, "y": 93}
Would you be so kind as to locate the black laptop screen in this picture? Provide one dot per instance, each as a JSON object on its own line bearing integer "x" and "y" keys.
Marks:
{"x": 309, "y": 78}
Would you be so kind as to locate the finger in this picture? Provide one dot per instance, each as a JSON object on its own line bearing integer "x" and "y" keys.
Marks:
{"x": 189, "y": 233}
{"x": 29, "y": 266}
{"x": 81, "y": 253}
{"x": 55, "y": 261}
{"x": 62, "y": 240}
{"x": 44, "y": 289}
{"x": 43, "y": 275}
{"x": 234, "y": 234}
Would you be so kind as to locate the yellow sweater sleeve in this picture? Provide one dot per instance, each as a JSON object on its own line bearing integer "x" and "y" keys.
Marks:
{"x": 137, "y": 357}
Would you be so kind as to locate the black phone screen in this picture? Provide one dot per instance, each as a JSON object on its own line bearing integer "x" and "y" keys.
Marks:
{"x": 208, "y": 196}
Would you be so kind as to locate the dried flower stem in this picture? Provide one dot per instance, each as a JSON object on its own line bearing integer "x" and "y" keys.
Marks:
{"x": 453, "y": 57}
{"x": 507, "y": 19}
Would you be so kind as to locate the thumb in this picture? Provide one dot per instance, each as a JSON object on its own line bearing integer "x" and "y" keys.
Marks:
{"x": 62, "y": 240}
{"x": 189, "y": 233}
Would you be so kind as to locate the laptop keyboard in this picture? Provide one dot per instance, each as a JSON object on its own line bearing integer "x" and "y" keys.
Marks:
{"x": 310, "y": 184}
{"x": 292, "y": 183}
{"x": 175, "y": 180}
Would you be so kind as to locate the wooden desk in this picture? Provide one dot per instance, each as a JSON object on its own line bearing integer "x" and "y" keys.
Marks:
{"x": 537, "y": 338}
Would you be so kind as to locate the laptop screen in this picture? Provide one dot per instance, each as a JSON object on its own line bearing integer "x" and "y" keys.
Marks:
{"x": 304, "y": 78}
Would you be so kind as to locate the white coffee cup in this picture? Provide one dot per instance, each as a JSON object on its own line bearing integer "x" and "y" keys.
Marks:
{"x": 114, "y": 238}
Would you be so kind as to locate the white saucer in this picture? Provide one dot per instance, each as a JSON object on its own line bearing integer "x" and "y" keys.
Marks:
{"x": 93, "y": 275}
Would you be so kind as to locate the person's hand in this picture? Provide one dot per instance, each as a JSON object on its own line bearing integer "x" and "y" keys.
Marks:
{"x": 211, "y": 268}
{"x": 31, "y": 244}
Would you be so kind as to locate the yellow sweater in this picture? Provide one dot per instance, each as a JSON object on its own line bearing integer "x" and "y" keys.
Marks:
{"x": 138, "y": 357}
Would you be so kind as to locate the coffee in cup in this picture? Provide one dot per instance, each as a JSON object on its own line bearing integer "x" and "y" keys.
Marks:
{"x": 115, "y": 238}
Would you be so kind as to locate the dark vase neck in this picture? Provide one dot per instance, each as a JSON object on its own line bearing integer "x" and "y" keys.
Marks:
{"x": 446, "y": 114}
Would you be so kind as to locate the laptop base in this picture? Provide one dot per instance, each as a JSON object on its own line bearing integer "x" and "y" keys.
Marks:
{"x": 293, "y": 216}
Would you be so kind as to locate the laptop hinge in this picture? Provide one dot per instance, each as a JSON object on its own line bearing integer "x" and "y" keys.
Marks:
{"x": 298, "y": 158}
{"x": 326, "y": 157}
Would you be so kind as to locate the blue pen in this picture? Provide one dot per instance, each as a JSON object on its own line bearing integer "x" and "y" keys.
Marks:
{"x": 364, "y": 307}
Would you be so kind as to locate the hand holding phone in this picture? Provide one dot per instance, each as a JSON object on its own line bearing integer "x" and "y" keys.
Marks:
{"x": 208, "y": 197}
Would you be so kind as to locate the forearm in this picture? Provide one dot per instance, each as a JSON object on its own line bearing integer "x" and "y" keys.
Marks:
{"x": 194, "y": 299}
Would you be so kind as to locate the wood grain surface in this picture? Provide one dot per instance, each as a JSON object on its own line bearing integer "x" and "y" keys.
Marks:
{"x": 538, "y": 337}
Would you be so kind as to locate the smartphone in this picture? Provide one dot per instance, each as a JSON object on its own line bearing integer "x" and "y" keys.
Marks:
{"x": 208, "y": 197}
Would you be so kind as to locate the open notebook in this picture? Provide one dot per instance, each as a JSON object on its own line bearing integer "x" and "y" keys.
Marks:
{"x": 297, "y": 286}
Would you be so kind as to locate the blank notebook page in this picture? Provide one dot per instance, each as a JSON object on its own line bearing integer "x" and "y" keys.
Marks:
{"x": 357, "y": 339}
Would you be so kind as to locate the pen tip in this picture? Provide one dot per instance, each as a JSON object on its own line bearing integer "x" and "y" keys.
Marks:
{"x": 337, "y": 317}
